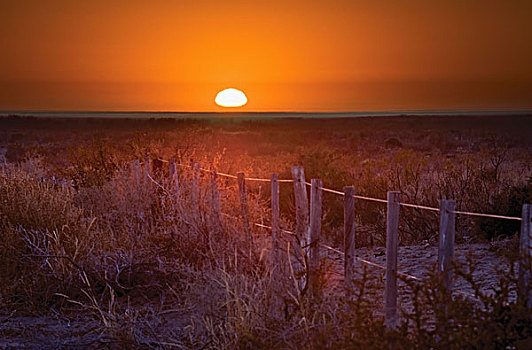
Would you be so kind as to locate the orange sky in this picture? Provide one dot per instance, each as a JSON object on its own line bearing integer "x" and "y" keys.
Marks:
{"x": 342, "y": 55}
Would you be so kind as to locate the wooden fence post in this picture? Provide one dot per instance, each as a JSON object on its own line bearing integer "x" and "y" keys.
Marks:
{"x": 525, "y": 249}
{"x": 195, "y": 188}
{"x": 243, "y": 196}
{"x": 136, "y": 172}
{"x": 215, "y": 197}
{"x": 174, "y": 180}
{"x": 137, "y": 177}
{"x": 349, "y": 239}
{"x": 445, "y": 257}
{"x": 392, "y": 238}
{"x": 276, "y": 307}
{"x": 147, "y": 169}
{"x": 275, "y": 225}
{"x": 302, "y": 210}
{"x": 315, "y": 230}
{"x": 446, "y": 249}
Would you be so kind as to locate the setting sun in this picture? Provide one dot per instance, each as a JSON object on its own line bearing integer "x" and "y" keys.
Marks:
{"x": 231, "y": 98}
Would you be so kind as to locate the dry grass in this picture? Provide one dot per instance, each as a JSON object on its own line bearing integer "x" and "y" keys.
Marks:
{"x": 142, "y": 266}
{"x": 154, "y": 271}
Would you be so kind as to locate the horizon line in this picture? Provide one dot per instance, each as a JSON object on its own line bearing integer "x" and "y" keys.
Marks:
{"x": 374, "y": 112}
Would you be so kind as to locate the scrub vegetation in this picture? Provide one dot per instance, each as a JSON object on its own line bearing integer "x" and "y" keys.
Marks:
{"x": 138, "y": 265}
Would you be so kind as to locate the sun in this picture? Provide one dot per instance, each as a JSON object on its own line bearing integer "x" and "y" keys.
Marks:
{"x": 231, "y": 98}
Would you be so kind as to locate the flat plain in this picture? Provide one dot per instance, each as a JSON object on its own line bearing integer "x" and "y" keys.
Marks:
{"x": 97, "y": 257}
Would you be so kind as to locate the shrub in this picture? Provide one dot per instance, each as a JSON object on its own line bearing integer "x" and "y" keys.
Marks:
{"x": 508, "y": 203}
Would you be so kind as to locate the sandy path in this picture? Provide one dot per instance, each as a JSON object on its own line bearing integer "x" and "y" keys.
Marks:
{"x": 418, "y": 261}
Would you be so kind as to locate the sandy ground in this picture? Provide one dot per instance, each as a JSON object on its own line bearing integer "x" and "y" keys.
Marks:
{"x": 48, "y": 332}
{"x": 79, "y": 331}
{"x": 418, "y": 261}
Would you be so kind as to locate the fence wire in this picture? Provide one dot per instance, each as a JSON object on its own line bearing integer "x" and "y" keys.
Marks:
{"x": 367, "y": 262}
{"x": 379, "y": 200}
{"x": 418, "y": 206}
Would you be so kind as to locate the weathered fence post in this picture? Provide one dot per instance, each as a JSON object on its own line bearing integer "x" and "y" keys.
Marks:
{"x": 243, "y": 196}
{"x": 215, "y": 197}
{"x": 174, "y": 180}
{"x": 136, "y": 172}
{"x": 445, "y": 257}
{"x": 446, "y": 249}
{"x": 349, "y": 239}
{"x": 525, "y": 249}
{"x": 392, "y": 238}
{"x": 138, "y": 180}
{"x": 195, "y": 188}
{"x": 316, "y": 190}
{"x": 276, "y": 306}
{"x": 302, "y": 210}
{"x": 275, "y": 225}
{"x": 147, "y": 169}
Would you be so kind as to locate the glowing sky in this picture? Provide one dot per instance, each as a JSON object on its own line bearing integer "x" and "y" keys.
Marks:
{"x": 342, "y": 55}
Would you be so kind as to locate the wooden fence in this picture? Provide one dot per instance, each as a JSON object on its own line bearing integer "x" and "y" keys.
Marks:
{"x": 308, "y": 228}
